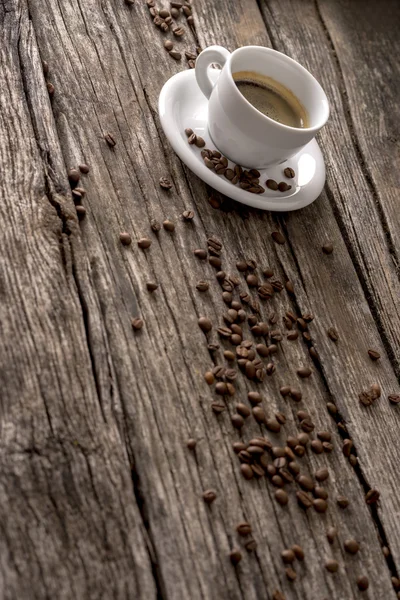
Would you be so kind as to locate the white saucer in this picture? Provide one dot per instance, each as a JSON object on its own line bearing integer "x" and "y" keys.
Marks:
{"x": 182, "y": 105}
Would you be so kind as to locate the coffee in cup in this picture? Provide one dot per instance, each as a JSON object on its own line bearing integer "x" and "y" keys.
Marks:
{"x": 271, "y": 98}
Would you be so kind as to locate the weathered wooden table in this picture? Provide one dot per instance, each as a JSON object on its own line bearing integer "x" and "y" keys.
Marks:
{"x": 99, "y": 495}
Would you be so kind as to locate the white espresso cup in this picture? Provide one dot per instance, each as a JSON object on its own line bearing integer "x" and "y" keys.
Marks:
{"x": 240, "y": 131}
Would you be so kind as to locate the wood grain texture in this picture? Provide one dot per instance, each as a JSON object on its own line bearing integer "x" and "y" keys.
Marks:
{"x": 134, "y": 399}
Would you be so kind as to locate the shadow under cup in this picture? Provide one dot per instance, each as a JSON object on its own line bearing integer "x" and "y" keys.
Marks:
{"x": 249, "y": 137}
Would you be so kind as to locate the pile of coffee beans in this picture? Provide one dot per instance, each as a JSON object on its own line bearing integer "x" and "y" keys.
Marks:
{"x": 246, "y": 179}
{"x": 168, "y": 19}
{"x": 78, "y": 193}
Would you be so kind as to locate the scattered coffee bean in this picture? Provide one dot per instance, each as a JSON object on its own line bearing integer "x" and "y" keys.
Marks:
{"x": 290, "y": 573}
{"x": 251, "y": 544}
{"x": 259, "y": 414}
{"x": 110, "y": 139}
{"x": 205, "y": 324}
{"x": 372, "y": 496}
{"x": 284, "y": 187}
{"x": 362, "y": 583}
{"x": 295, "y": 394}
{"x": 178, "y": 31}
{"x": 342, "y": 501}
{"x": 168, "y": 225}
{"x": 239, "y": 447}
{"x": 237, "y": 421}
{"x": 137, "y": 324}
{"x": 367, "y": 398}
{"x": 144, "y": 243}
{"x": 235, "y": 557}
{"x": 328, "y": 447}
{"x": 332, "y": 408}
{"x": 351, "y": 546}
{"x": 252, "y": 280}
{"x": 327, "y": 248}
{"x": 289, "y": 173}
{"x": 168, "y": 45}
{"x": 254, "y": 398}
{"x": 353, "y": 460}
{"x": 320, "y": 492}
{"x": 374, "y": 355}
{"x": 288, "y": 556}
{"x": 209, "y": 496}
{"x": 188, "y": 215}
{"x": 289, "y": 287}
{"x": 217, "y": 407}
{"x": 74, "y": 176}
{"x": 84, "y": 169}
{"x": 243, "y": 410}
{"x": 209, "y": 377}
{"x": 306, "y": 482}
{"x": 320, "y": 505}
{"x": 331, "y": 534}
{"x": 246, "y": 471}
{"x": 151, "y": 287}
{"x": 278, "y": 237}
{"x": 303, "y": 439}
{"x": 200, "y": 143}
{"x": 215, "y": 262}
{"x": 221, "y": 388}
{"x": 271, "y": 184}
{"x": 317, "y": 447}
{"x": 177, "y": 5}
{"x": 175, "y": 55}
{"x": 80, "y": 211}
{"x": 244, "y": 529}
{"x": 50, "y": 88}
{"x": 304, "y": 500}
{"x": 281, "y": 497}
{"x": 322, "y": 474}
{"x": 394, "y": 398}
{"x": 191, "y": 444}
{"x": 333, "y": 334}
{"x": 331, "y": 565}
{"x": 200, "y": 254}
{"x": 155, "y": 225}
{"x": 125, "y": 238}
{"x": 277, "y": 595}
{"x": 304, "y": 372}
{"x": 272, "y": 425}
{"x": 202, "y": 286}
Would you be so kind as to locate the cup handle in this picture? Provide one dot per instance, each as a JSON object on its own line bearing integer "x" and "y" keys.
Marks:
{"x": 212, "y": 54}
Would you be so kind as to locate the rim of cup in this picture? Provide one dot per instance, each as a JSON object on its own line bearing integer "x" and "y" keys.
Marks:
{"x": 305, "y": 73}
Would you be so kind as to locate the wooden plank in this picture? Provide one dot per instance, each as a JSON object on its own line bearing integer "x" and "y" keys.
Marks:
{"x": 108, "y": 65}
{"x": 70, "y": 526}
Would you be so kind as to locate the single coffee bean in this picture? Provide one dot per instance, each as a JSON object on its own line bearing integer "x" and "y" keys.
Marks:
{"x": 243, "y": 410}
{"x": 190, "y": 55}
{"x": 289, "y": 173}
{"x": 235, "y": 557}
{"x": 324, "y": 436}
{"x": 271, "y": 184}
{"x": 175, "y": 55}
{"x": 320, "y": 505}
{"x": 268, "y": 272}
{"x": 259, "y": 414}
{"x": 362, "y": 583}
{"x": 331, "y": 534}
{"x": 80, "y": 211}
{"x": 327, "y": 248}
{"x": 347, "y": 446}
{"x": 254, "y": 397}
{"x": 272, "y": 425}
{"x": 74, "y": 176}
{"x": 168, "y": 45}
{"x": 332, "y": 409}
{"x": 374, "y": 355}
{"x": 394, "y": 398}
{"x": 322, "y": 474}
{"x": 295, "y": 394}
{"x": 304, "y": 500}
{"x": 306, "y": 482}
{"x": 168, "y": 225}
{"x": 280, "y": 417}
{"x": 277, "y": 481}
{"x": 351, "y": 546}
{"x": 202, "y": 286}
{"x": 177, "y": 5}
{"x": 281, "y": 497}
{"x": 238, "y": 447}
{"x": 209, "y": 496}
{"x": 386, "y": 551}
{"x": 155, "y": 225}
{"x": 289, "y": 287}
{"x": 237, "y": 421}
{"x": 45, "y": 67}
{"x": 136, "y": 324}
{"x": 333, "y": 334}
{"x": 308, "y": 426}
{"x": 50, "y": 88}
{"x": 278, "y": 237}
{"x": 328, "y": 447}
{"x": 288, "y": 556}
{"x": 191, "y": 444}
{"x": 246, "y": 471}
{"x": 209, "y": 377}
{"x": 304, "y": 372}
{"x": 292, "y": 335}
{"x": 221, "y": 388}
{"x": 164, "y": 13}
{"x": 125, "y": 238}
{"x": 290, "y": 573}
{"x": 372, "y": 496}
{"x": 320, "y": 492}
{"x": 151, "y": 287}
{"x": 244, "y": 529}
{"x": 342, "y": 501}
{"x": 200, "y": 253}
{"x": 252, "y": 280}
{"x": 331, "y": 565}
{"x": 84, "y": 169}
{"x": 301, "y": 324}
{"x": 217, "y": 407}
{"x": 199, "y": 142}
{"x": 110, "y": 139}
{"x": 284, "y": 187}
{"x": 144, "y": 243}
{"x": 396, "y": 583}
{"x": 215, "y": 262}
{"x": 317, "y": 447}
{"x": 205, "y": 324}
{"x": 303, "y": 438}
